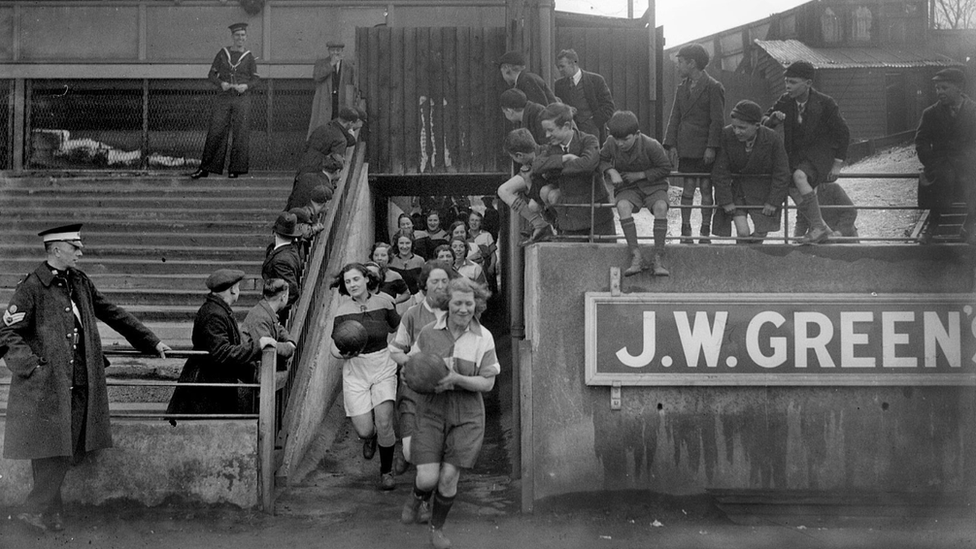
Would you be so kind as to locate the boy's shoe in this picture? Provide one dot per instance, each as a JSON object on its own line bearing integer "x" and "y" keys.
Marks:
{"x": 543, "y": 234}
{"x": 387, "y": 482}
{"x": 816, "y": 235}
{"x": 549, "y": 214}
{"x": 686, "y": 235}
{"x": 369, "y": 447}
{"x": 705, "y": 232}
{"x": 438, "y": 540}
{"x": 636, "y": 264}
{"x": 657, "y": 266}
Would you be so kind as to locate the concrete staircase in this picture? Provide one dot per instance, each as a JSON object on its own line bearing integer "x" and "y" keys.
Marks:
{"x": 150, "y": 241}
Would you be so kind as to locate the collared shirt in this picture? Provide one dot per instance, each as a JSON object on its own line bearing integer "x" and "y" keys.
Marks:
{"x": 471, "y": 354}
{"x": 577, "y": 77}
{"x": 751, "y": 143}
{"x": 412, "y": 321}
{"x": 566, "y": 146}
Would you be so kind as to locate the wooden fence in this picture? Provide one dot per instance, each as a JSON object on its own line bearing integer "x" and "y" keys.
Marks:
{"x": 433, "y": 99}
{"x": 620, "y": 55}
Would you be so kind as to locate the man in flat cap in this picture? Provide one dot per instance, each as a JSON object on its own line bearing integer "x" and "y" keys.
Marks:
{"x": 946, "y": 145}
{"x": 585, "y": 91}
{"x": 512, "y": 67}
{"x": 694, "y": 132}
{"x": 756, "y": 154}
{"x": 816, "y": 138}
{"x": 57, "y": 410}
{"x": 335, "y": 85}
{"x": 230, "y": 355}
{"x": 330, "y": 140}
{"x": 284, "y": 259}
{"x": 308, "y": 179}
{"x": 235, "y": 72}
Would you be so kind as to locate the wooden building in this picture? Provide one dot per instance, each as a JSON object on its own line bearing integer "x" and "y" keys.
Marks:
{"x": 875, "y": 57}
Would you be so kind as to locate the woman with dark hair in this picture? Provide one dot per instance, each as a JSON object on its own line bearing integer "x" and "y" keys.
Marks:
{"x": 462, "y": 262}
{"x": 450, "y": 423}
{"x": 405, "y": 262}
{"x": 391, "y": 282}
{"x": 432, "y": 236}
{"x": 369, "y": 383}
{"x": 404, "y": 223}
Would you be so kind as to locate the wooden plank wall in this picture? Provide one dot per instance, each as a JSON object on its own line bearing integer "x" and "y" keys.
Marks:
{"x": 620, "y": 56}
{"x": 432, "y": 98}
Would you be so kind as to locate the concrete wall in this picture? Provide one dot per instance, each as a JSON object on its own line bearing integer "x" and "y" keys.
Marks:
{"x": 319, "y": 383}
{"x": 196, "y": 461}
{"x": 682, "y": 440}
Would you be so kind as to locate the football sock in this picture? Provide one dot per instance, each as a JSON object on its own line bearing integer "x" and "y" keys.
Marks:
{"x": 630, "y": 232}
{"x": 442, "y": 506}
{"x": 386, "y": 458}
{"x": 660, "y": 233}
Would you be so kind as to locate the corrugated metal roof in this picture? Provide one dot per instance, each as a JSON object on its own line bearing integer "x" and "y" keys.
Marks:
{"x": 788, "y": 51}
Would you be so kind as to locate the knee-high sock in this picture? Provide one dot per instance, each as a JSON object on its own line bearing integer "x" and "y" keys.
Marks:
{"x": 630, "y": 232}
{"x": 386, "y": 458}
{"x": 686, "y": 212}
{"x": 521, "y": 207}
{"x": 811, "y": 209}
{"x": 660, "y": 233}
{"x": 442, "y": 506}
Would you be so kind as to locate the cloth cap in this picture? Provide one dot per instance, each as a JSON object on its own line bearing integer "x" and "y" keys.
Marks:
{"x": 221, "y": 279}
{"x": 747, "y": 111}
{"x": 695, "y": 52}
{"x": 800, "y": 69}
{"x": 237, "y": 26}
{"x": 335, "y": 44}
{"x": 301, "y": 214}
{"x": 331, "y": 164}
{"x": 285, "y": 225}
{"x": 953, "y": 76}
{"x": 512, "y": 58}
{"x": 322, "y": 194}
{"x": 513, "y": 98}
{"x": 66, "y": 233}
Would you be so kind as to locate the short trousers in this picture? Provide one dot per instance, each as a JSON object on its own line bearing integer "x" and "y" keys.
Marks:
{"x": 367, "y": 381}
{"x": 694, "y": 165}
{"x": 406, "y": 409}
{"x": 450, "y": 429}
{"x": 643, "y": 195}
{"x": 813, "y": 175}
{"x": 761, "y": 223}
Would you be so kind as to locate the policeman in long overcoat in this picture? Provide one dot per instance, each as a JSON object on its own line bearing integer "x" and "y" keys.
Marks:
{"x": 57, "y": 410}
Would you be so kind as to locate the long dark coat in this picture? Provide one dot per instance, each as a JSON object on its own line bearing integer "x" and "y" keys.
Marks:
{"x": 597, "y": 95}
{"x": 40, "y": 354}
{"x": 767, "y": 163}
{"x": 230, "y": 359}
{"x": 534, "y": 88}
{"x": 697, "y": 117}
{"x": 327, "y": 140}
{"x": 946, "y": 147}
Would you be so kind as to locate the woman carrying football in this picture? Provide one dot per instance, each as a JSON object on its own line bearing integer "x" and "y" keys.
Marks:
{"x": 450, "y": 422}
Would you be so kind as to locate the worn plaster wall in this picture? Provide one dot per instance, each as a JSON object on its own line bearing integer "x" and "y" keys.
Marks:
{"x": 683, "y": 440}
{"x": 195, "y": 461}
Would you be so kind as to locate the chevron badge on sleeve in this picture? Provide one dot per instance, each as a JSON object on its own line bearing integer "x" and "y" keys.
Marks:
{"x": 11, "y": 316}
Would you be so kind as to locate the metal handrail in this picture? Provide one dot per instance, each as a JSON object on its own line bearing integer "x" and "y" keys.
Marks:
{"x": 785, "y": 208}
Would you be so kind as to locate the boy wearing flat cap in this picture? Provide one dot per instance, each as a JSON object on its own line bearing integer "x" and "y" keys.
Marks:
{"x": 335, "y": 85}
{"x": 512, "y": 67}
{"x": 235, "y": 71}
{"x": 57, "y": 410}
{"x": 229, "y": 357}
{"x": 518, "y": 109}
{"x": 946, "y": 145}
{"x": 750, "y": 149}
{"x": 816, "y": 139}
{"x": 694, "y": 129}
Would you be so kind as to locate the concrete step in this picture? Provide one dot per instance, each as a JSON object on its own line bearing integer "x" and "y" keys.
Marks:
{"x": 176, "y": 313}
{"x": 99, "y": 238}
{"x": 190, "y": 283}
{"x": 69, "y": 214}
{"x": 176, "y": 333}
{"x": 247, "y": 225}
{"x": 272, "y": 200}
{"x": 123, "y": 265}
{"x": 61, "y": 180}
{"x": 162, "y": 251}
{"x": 128, "y": 297}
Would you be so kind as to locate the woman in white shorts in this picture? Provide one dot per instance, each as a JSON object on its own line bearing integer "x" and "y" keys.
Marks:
{"x": 369, "y": 381}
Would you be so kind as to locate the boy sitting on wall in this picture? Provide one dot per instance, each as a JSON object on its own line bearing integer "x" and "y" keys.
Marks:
{"x": 637, "y": 167}
{"x": 521, "y": 192}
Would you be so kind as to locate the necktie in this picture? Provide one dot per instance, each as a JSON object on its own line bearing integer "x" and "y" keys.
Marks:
{"x": 565, "y": 148}
{"x": 800, "y": 108}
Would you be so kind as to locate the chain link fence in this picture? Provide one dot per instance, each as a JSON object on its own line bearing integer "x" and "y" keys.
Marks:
{"x": 155, "y": 124}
